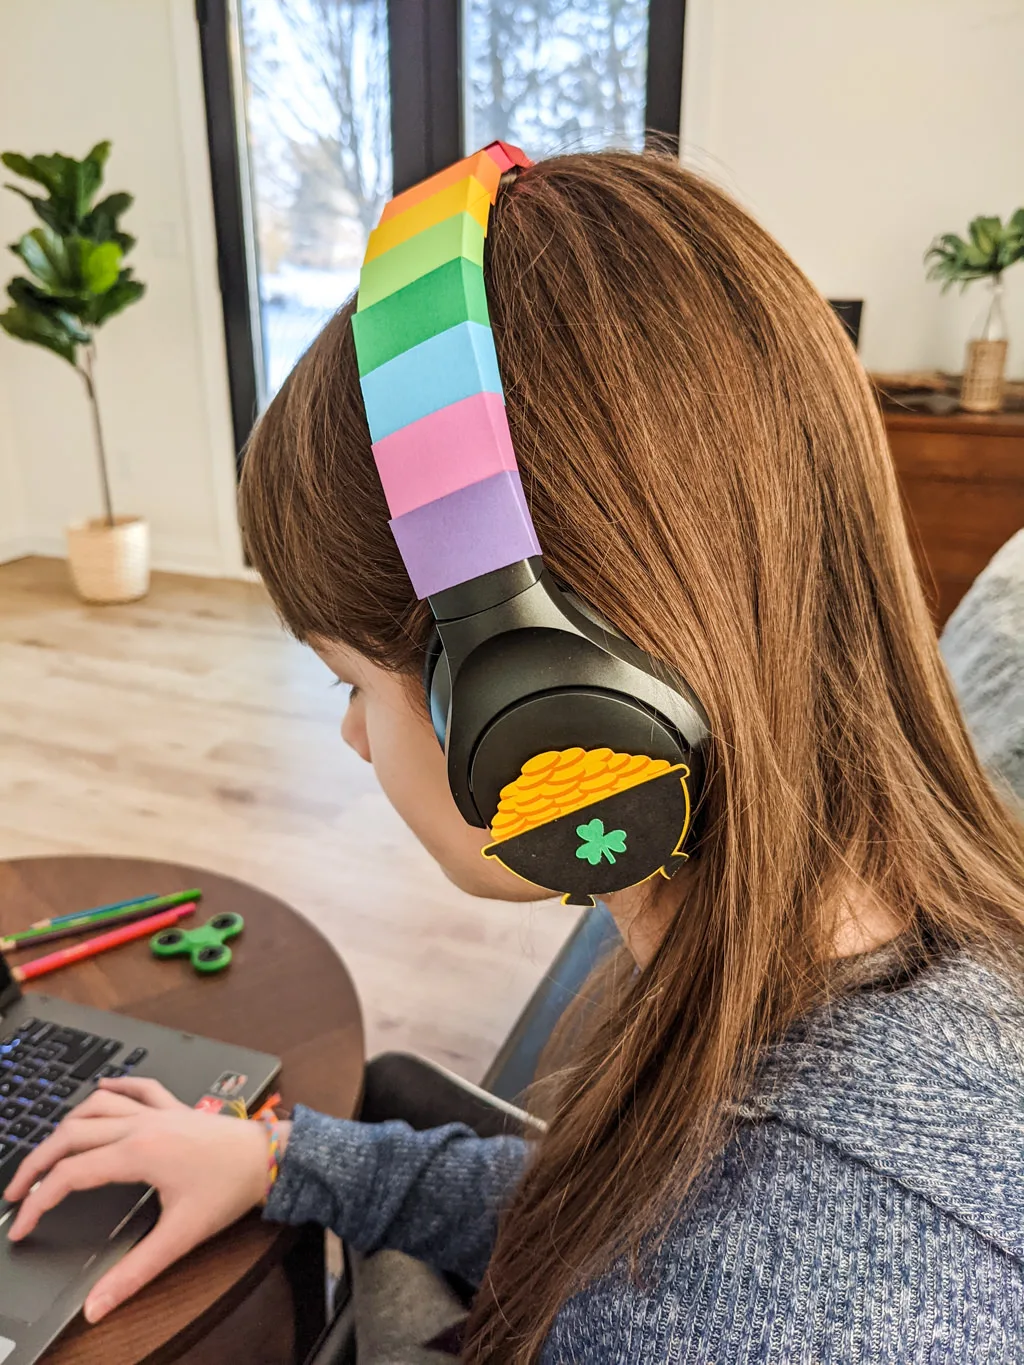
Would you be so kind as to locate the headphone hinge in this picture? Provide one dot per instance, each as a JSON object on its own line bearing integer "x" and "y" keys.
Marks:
{"x": 486, "y": 591}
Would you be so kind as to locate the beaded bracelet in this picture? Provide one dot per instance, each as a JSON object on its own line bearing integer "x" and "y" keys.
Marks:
{"x": 271, "y": 1122}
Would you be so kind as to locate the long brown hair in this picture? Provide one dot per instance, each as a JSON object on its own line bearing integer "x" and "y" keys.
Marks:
{"x": 706, "y": 464}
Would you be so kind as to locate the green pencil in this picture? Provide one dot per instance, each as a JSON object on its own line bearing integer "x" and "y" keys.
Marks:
{"x": 90, "y": 919}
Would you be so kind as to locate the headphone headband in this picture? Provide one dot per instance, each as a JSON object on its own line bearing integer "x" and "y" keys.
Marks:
{"x": 429, "y": 376}
{"x": 575, "y": 748}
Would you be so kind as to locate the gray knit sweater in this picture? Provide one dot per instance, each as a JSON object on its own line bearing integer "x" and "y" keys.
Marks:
{"x": 869, "y": 1207}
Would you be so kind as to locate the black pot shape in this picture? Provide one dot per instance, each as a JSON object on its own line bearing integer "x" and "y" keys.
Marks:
{"x": 607, "y": 845}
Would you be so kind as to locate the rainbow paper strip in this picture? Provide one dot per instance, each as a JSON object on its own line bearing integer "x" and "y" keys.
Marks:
{"x": 429, "y": 376}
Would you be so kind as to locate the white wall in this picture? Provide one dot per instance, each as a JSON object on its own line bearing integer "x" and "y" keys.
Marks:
{"x": 855, "y": 130}
{"x": 72, "y": 74}
{"x": 12, "y": 508}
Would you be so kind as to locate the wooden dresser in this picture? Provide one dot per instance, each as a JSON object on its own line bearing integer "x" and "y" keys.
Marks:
{"x": 962, "y": 478}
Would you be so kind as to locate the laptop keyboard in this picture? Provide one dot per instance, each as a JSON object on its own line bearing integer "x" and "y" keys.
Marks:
{"x": 45, "y": 1069}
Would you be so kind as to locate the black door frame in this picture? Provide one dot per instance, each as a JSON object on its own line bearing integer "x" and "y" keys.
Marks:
{"x": 426, "y": 135}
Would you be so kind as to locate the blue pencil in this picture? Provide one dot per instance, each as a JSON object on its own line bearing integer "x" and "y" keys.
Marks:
{"x": 98, "y": 910}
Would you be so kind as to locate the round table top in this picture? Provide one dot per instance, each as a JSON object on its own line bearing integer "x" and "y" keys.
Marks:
{"x": 286, "y": 992}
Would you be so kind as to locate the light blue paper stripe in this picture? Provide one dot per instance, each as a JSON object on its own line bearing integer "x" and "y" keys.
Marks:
{"x": 444, "y": 369}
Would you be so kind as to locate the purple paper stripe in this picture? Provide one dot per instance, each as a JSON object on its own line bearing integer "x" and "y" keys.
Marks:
{"x": 466, "y": 533}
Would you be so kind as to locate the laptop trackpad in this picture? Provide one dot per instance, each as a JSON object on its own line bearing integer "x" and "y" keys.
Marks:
{"x": 33, "y": 1273}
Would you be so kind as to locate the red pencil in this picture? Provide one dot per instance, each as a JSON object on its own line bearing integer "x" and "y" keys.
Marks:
{"x": 66, "y": 956}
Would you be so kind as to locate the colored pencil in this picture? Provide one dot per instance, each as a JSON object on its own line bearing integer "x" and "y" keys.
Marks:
{"x": 85, "y": 926}
{"x": 52, "y": 962}
{"x": 95, "y": 919}
{"x": 97, "y": 910}
{"x": 271, "y": 1102}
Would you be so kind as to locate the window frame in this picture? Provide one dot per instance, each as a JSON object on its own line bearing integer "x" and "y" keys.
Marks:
{"x": 232, "y": 214}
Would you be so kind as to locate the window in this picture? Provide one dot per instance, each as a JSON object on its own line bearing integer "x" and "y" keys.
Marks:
{"x": 319, "y": 110}
{"x": 317, "y": 126}
{"x": 555, "y": 75}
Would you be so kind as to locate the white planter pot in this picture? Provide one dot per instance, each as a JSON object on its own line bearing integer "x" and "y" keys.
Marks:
{"x": 110, "y": 563}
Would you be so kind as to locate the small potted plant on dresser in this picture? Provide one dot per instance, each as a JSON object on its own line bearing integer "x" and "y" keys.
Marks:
{"x": 991, "y": 247}
{"x": 78, "y": 282}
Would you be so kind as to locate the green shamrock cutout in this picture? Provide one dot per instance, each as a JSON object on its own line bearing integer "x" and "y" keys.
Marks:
{"x": 597, "y": 845}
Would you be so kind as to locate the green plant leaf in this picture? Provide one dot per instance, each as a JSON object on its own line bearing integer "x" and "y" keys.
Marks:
{"x": 991, "y": 249}
{"x": 1015, "y": 237}
{"x": 98, "y": 154}
{"x": 124, "y": 292}
{"x": 60, "y": 175}
{"x": 114, "y": 204}
{"x": 28, "y": 295}
{"x": 40, "y": 328}
{"x": 90, "y": 176}
{"x": 101, "y": 223}
{"x": 72, "y": 184}
{"x": 32, "y": 168}
{"x": 70, "y": 265}
{"x": 45, "y": 253}
{"x": 99, "y": 264}
{"x": 977, "y": 257}
{"x": 986, "y": 233}
{"x": 46, "y": 209}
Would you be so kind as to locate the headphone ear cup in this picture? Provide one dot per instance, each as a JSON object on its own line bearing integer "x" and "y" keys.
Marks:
{"x": 437, "y": 685}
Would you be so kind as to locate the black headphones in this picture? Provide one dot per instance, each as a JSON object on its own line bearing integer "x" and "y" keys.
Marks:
{"x": 583, "y": 756}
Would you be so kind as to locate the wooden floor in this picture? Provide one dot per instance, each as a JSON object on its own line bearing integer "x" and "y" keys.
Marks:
{"x": 189, "y": 727}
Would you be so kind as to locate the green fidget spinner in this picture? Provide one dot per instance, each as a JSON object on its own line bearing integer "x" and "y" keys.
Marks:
{"x": 206, "y": 946}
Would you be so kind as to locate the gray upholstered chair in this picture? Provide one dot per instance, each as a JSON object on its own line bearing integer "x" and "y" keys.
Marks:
{"x": 983, "y": 647}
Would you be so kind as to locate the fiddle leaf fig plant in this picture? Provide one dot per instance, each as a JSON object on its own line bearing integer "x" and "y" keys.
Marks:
{"x": 77, "y": 279}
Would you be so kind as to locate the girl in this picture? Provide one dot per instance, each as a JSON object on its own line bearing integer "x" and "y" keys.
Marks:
{"x": 794, "y": 1133}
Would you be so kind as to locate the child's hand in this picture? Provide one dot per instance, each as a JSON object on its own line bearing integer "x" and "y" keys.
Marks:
{"x": 208, "y": 1171}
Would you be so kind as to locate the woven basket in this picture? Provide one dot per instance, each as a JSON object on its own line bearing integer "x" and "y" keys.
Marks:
{"x": 982, "y": 389}
{"x": 110, "y": 563}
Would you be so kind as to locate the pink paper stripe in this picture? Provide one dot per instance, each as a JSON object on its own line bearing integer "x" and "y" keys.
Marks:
{"x": 447, "y": 450}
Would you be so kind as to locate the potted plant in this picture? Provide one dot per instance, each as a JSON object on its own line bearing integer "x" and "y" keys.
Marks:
{"x": 991, "y": 248}
{"x": 78, "y": 282}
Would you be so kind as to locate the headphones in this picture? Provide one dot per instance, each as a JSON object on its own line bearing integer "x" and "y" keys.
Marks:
{"x": 582, "y": 755}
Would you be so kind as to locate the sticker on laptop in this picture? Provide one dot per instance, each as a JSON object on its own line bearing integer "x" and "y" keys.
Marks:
{"x": 228, "y": 1083}
{"x": 6, "y": 1347}
{"x": 209, "y": 1104}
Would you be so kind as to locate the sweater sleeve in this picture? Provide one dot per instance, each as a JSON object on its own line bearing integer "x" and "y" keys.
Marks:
{"x": 435, "y": 1195}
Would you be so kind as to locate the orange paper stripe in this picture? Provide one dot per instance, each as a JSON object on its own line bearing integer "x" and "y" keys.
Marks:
{"x": 480, "y": 165}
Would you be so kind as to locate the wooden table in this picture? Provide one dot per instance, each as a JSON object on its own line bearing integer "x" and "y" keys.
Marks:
{"x": 961, "y": 475}
{"x": 286, "y": 992}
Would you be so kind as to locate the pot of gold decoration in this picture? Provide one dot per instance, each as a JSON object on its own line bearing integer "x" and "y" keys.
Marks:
{"x": 617, "y": 818}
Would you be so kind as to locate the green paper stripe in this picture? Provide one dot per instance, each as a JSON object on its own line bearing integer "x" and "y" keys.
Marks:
{"x": 451, "y": 294}
{"x": 460, "y": 235}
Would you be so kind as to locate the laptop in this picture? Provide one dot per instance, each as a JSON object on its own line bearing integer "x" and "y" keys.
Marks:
{"x": 51, "y": 1055}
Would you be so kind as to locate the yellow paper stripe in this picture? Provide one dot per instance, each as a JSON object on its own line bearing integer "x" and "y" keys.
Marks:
{"x": 465, "y": 196}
